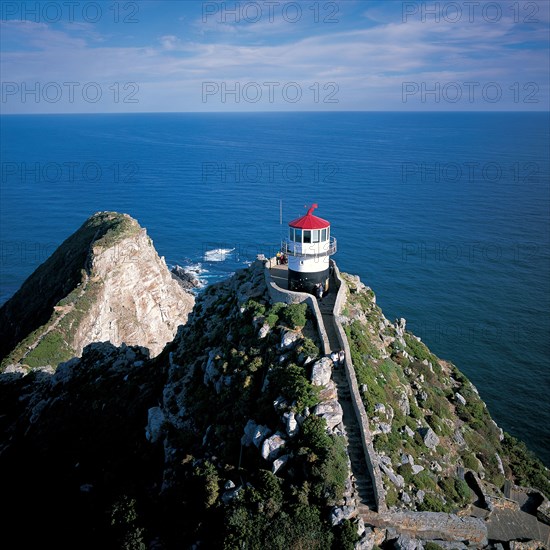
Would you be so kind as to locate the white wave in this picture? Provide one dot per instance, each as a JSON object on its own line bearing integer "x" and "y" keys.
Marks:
{"x": 217, "y": 254}
{"x": 195, "y": 269}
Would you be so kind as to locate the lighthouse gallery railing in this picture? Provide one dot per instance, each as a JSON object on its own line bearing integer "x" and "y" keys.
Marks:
{"x": 289, "y": 249}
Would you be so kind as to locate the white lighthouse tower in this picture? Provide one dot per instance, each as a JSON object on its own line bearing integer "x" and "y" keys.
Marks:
{"x": 308, "y": 248}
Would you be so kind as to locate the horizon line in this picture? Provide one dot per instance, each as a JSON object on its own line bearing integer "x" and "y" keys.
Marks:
{"x": 274, "y": 112}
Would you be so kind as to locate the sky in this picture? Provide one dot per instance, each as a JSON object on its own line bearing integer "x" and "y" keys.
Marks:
{"x": 70, "y": 56}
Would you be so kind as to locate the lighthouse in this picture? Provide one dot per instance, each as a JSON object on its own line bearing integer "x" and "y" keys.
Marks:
{"x": 308, "y": 247}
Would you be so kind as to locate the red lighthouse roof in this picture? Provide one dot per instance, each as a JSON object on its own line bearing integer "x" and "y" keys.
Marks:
{"x": 309, "y": 221}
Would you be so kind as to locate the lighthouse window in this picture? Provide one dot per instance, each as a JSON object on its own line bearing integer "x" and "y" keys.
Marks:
{"x": 323, "y": 235}
{"x": 315, "y": 236}
{"x": 298, "y": 236}
{"x": 307, "y": 236}
{"x": 291, "y": 233}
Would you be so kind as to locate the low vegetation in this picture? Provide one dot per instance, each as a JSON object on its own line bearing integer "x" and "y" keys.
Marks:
{"x": 405, "y": 388}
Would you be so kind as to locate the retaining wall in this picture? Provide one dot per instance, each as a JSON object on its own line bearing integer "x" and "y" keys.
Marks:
{"x": 278, "y": 294}
{"x": 371, "y": 457}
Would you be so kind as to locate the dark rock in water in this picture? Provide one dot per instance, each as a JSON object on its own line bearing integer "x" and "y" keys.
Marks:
{"x": 187, "y": 280}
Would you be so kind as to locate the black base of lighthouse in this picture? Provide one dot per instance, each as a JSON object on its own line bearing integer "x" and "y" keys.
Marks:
{"x": 305, "y": 282}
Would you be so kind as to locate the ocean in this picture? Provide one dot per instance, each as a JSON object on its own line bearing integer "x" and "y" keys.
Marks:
{"x": 444, "y": 215}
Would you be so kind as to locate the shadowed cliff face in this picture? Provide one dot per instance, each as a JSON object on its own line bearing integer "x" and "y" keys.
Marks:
{"x": 106, "y": 282}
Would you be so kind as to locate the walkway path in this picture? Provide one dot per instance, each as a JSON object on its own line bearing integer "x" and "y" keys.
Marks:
{"x": 363, "y": 481}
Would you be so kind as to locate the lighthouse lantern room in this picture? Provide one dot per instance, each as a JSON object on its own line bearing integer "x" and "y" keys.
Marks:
{"x": 308, "y": 247}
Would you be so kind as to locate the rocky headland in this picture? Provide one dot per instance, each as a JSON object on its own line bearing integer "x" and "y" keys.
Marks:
{"x": 237, "y": 433}
{"x": 106, "y": 282}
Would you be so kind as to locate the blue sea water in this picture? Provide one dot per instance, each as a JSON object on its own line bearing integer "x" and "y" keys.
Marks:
{"x": 444, "y": 215}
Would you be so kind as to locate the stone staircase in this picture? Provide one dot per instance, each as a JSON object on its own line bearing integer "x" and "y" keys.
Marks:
{"x": 363, "y": 483}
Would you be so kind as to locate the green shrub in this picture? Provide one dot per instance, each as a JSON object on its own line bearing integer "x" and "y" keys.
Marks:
{"x": 272, "y": 319}
{"x": 269, "y": 493}
{"x": 331, "y": 472}
{"x": 420, "y": 351}
{"x": 255, "y": 364}
{"x": 526, "y": 467}
{"x": 437, "y": 403}
{"x": 433, "y": 503}
{"x": 275, "y": 313}
{"x": 255, "y": 308}
{"x": 292, "y": 382}
{"x": 406, "y": 471}
{"x": 346, "y": 536}
{"x": 315, "y": 434}
{"x": 391, "y": 495}
{"x": 133, "y": 540}
{"x": 308, "y": 348}
{"x": 415, "y": 412}
{"x": 123, "y": 520}
{"x": 51, "y": 350}
{"x": 295, "y": 315}
{"x": 360, "y": 342}
{"x": 208, "y": 483}
{"x": 302, "y": 527}
{"x": 470, "y": 462}
{"x": 425, "y": 481}
{"x": 463, "y": 491}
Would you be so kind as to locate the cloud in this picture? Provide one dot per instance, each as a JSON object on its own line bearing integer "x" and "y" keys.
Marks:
{"x": 364, "y": 62}
{"x": 170, "y": 42}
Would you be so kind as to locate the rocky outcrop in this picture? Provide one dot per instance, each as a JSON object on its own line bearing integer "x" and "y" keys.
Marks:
{"x": 431, "y": 525}
{"x": 187, "y": 279}
{"x": 114, "y": 288}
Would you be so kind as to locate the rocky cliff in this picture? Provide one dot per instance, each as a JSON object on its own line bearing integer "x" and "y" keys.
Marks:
{"x": 106, "y": 282}
{"x": 233, "y": 437}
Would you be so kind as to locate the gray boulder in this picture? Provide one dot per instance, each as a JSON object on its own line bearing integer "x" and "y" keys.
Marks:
{"x": 254, "y": 434}
{"x": 331, "y": 411}
{"x": 155, "y": 421}
{"x": 543, "y": 512}
{"x": 210, "y": 371}
{"x": 459, "y": 438}
{"x": 403, "y": 403}
{"x": 340, "y": 513}
{"x": 278, "y": 463}
{"x": 272, "y": 446}
{"x": 328, "y": 392}
{"x": 367, "y": 540}
{"x": 407, "y": 543}
{"x": 322, "y": 370}
{"x": 400, "y": 326}
{"x": 264, "y": 330}
{"x": 292, "y": 427}
{"x": 429, "y": 437}
{"x": 460, "y": 399}
{"x": 289, "y": 339}
{"x": 396, "y": 479}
